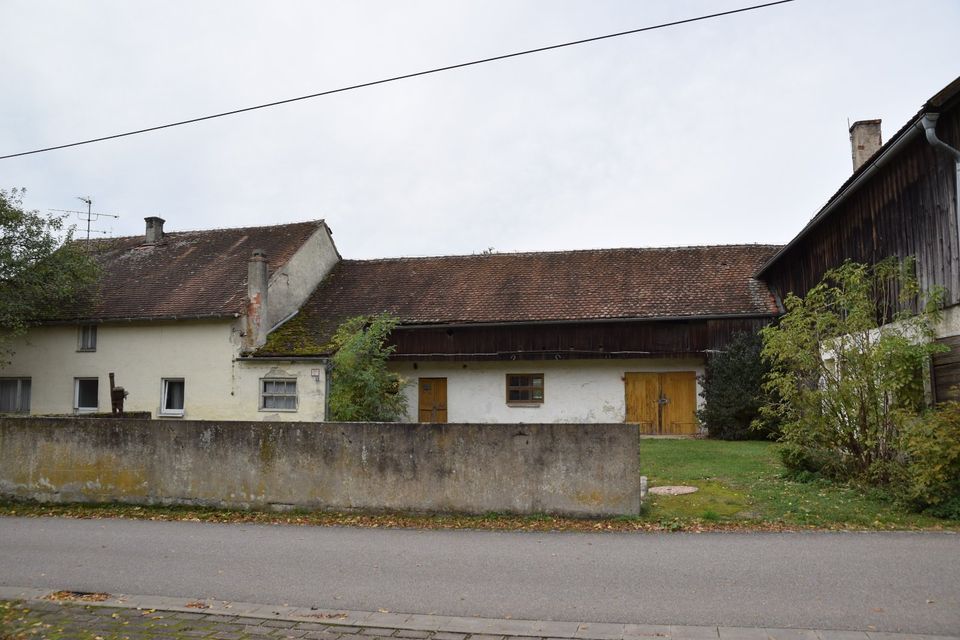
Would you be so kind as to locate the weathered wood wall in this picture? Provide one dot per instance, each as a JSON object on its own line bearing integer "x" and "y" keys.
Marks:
{"x": 945, "y": 369}
{"x": 906, "y": 209}
{"x": 572, "y": 341}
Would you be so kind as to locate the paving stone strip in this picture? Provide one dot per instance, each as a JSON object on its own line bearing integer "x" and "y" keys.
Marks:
{"x": 27, "y": 614}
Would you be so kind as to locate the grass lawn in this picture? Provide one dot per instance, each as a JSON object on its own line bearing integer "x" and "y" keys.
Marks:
{"x": 742, "y": 483}
{"x": 741, "y": 486}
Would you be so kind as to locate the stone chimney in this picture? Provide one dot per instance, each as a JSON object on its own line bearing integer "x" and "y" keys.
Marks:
{"x": 257, "y": 322}
{"x": 154, "y": 230}
{"x": 864, "y": 141}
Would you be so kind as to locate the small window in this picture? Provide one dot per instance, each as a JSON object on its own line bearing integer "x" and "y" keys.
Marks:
{"x": 278, "y": 395}
{"x": 86, "y": 395}
{"x": 88, "y": 338}
{"x": 14, "y": 395}
{"x": 524, "y": 388}
{"x": 171, "y": 399}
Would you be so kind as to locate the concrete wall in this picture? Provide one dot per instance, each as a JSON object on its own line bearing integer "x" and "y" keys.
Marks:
{"x": 571, "y": 469}
{"x": 574, "y": 390}
{"x": 217, "y": 386}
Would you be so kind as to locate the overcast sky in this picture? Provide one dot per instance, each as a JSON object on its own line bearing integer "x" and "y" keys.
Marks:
{"x": 732, "y": 130}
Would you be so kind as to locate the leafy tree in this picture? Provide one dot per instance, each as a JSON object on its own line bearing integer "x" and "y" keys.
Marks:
{"x": 847, "y": 367}
{"x": 732, "y": 389}
{"x": 40, "y": 268}
{"x": 362, "y": 388}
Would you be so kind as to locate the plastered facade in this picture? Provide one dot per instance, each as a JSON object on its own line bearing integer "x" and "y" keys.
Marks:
{"x": 217, "y": 385}
{"x": 579, "y": 391}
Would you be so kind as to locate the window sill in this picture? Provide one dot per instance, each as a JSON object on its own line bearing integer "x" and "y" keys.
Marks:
{"x": 170, "y": 414}
{"x": 525, "y": 405}
{"x": 262, "y": 410}
{"x": 86, "y": 350}
{"x": 81, "y": 412}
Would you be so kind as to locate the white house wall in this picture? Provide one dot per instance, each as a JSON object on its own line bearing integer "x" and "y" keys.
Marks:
{"x": 574, "y": 390}
{"x": 203, "y": 354}
{"x": 291, "y": 285}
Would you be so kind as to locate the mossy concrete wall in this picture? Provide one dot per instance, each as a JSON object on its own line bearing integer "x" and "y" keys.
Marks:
{"x": 572, "y": 469}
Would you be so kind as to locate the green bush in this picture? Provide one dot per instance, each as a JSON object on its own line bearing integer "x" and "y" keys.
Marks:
{"x": 362, "y": 388}
{"x": 930, "y": 476}
{"x": 732, "y": 391}
{"x": 847, "y": 370}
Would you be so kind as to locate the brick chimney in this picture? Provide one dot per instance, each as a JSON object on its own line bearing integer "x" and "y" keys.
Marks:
{"x": 154, "y": 230}
{"x": 864, "y": 141}
{"x": 257, "y": 321}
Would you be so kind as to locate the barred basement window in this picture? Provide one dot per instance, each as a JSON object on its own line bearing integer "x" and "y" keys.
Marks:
{"x": 278, "y": 394}
{"x": 15, "y": 395}
{"x": 524, "y": 388}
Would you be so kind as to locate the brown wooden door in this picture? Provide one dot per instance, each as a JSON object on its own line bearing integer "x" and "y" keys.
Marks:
{"x": 643, "y": 391}
{"x": 433, "y": 400}
{"x": 662, "y": 403}
{"x": 679, "y": 415}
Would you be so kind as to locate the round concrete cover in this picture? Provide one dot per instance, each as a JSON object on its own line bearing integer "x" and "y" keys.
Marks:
{"x": 672, "y": 490}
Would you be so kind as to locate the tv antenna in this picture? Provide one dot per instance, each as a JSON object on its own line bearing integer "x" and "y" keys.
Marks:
{"x": 88, "y": 216}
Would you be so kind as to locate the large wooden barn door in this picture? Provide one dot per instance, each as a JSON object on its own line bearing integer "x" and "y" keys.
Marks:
{"x": 432, "y": 405}
{"x": 662, "y": 403}
{"x": 643, "y": 390}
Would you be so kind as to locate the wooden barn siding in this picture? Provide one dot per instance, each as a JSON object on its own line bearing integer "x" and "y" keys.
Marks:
{"x": 906, "y": 209}
{"x": 571, "y": 341}
{"x": 946, "y": 371}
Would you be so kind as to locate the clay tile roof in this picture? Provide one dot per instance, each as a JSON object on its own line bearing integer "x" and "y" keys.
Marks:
{"x": 189, "y": 274}
{"x": 536, "y": 287}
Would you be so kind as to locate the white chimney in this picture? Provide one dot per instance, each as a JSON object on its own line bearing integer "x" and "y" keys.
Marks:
{"x": 257, "y": 321}
{"x": 864, "y": 141}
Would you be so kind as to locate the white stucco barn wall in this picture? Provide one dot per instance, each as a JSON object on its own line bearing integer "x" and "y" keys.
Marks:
{"x": 204, "y": 354}
{"x": 290, "y": 285}
{"x": 574, "y": 390}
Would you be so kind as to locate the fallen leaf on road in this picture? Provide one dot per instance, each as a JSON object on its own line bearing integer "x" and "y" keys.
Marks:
{"x": 82, "y": 596}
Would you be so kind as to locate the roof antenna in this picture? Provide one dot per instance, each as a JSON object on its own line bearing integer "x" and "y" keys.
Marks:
{"x": 88, "y": 215}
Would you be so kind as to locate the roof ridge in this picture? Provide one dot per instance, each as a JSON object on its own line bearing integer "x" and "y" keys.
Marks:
{"x": 317, "y": 221}
{"x": 566, "y": 251}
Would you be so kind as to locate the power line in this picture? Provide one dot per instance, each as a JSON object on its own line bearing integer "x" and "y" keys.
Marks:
{"x": 401, "y": 77}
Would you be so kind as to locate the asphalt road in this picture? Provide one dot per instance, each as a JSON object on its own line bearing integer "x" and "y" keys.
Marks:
{"x": 888, "y": 581}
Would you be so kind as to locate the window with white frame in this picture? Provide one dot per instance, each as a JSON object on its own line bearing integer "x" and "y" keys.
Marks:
{"x": 14, "y": 395}
{"x": 87, "y": 338}
{"x": 171, "y": 397}
{"x": 278, "y": 394}
{"x": 86, "y": 394}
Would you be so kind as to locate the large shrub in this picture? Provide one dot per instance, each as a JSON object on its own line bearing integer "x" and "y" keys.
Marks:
{"x": 930, "y": 479}
{"x": 362, "y": 389}
{"x": 847, "y": 366}
{"x": 732, "y": 391}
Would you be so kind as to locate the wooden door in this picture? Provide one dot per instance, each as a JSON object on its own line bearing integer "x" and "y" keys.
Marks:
{"x": 432, "y": 405}
{"x": 643, "y": 391}
{"x": 662, "y": 403}
{"x": 678, "y": 390}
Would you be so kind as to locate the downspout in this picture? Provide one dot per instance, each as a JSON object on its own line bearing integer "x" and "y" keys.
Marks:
{"x": 929, "y": 125}
{"x": 327, "y": 371}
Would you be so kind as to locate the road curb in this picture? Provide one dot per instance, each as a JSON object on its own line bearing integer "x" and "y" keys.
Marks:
{"x": 453, "y": 627}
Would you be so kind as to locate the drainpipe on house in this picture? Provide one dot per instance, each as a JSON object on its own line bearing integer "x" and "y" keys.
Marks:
{"x": 929, "y": 125}
{"x": 327, "y": 371}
